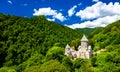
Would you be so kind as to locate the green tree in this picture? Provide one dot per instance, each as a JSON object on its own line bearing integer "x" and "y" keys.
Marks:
{"x": 68, "y": 63}
{"x": 33, "y": 69}
{"x": 7, "y": 69}
{"x": 55, "y": 53}
{"x": 53, "y": 66}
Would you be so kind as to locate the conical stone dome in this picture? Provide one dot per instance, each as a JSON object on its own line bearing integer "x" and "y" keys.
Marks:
{"x": 67, "y": 46}
{"x": 84, "y": 38}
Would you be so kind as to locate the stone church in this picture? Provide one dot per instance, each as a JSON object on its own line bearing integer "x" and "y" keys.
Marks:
{"x": 84, "y": 51}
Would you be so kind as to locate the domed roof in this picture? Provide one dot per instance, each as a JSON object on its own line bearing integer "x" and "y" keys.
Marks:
{"x": 84, "y": 38}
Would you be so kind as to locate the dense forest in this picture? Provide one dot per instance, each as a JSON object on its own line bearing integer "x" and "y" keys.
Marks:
{"x": 37, "y": 45}
{"x": 26, "y": 42}
{"x": 87, "y": 31}
{"x": 107, "y": 38}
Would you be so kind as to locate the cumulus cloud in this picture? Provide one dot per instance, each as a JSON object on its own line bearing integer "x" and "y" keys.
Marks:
{"x": 44, "y": 11}
{"x": 99, "y": 9}
{"x": 59, "y": 16}
{"x": 71, "y": 11}
{"x": 9, "y": 1}
{"x": 49, "y": 12}
{"x": 98, "y": 15}
{"x": 95, "y": 0}
{"x": 100, "y": 22}
{"x": 50, "y": 19}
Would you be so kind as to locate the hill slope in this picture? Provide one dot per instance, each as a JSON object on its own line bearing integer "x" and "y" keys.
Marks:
{"x": 37, "y": 45}
{"x": 108, "y": 38}
{"x": 110, "y": 35}
{"x": 86, "y": 31}
{"x": 22, "y": 38}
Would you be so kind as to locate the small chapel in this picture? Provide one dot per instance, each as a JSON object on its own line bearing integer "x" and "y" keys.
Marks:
{"x": 84, "y": 50}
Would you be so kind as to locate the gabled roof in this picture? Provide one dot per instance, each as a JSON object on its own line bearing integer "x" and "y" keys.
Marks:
{"x": 67, "y": 46}
{"x": 84, "y": 38}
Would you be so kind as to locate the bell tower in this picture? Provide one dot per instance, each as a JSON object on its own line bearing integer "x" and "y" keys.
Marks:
{"x": 84, "y": 43}
{"x": 84, "y": 50}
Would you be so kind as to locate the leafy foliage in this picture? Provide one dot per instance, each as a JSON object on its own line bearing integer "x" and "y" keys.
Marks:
{"x": 53, "y": 66}
{"x": 109, "y": 35}
{"x": 109, "y": 39}
{"x": 30, "y": 42}
{"x": 37, "y": 45}
{"x": 87, "y": 31}
{"x": 55, "y": 53}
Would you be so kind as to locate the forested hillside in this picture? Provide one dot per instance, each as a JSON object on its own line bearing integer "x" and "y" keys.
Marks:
{"x": 37, "y": 45}
{"x": 110, "y": 35}
{"x": 107, "y": 38}
{"x": 26, "y": 42}
{"x": 87, "y": 31}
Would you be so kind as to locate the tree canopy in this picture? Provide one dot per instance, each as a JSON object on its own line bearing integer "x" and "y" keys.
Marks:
{"x": 37, "y": 45}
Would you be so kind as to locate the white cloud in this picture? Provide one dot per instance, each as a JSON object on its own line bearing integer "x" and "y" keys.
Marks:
{"x": 9, "y": 1}
{"x": 71, "y": 11}
{"x": 95, "y": 0}
{"x": 100, "y": 22}
{"x": 99, "y": 9}
{"x": 50, "y": 19}
{"x": 60, "y": 17}
{"x": 98, "y": 15}
{"x": 49, "y": 12}
{"x": 44, "y": 11}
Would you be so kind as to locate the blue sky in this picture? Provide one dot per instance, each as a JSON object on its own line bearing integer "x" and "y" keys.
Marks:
{"x": 71, "y": 13}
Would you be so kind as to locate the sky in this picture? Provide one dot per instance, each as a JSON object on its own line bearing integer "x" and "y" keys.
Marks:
{"x": 70, "y": 13}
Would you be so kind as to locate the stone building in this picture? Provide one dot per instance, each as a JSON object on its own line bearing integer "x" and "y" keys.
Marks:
{"x": 84, "y": 51}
